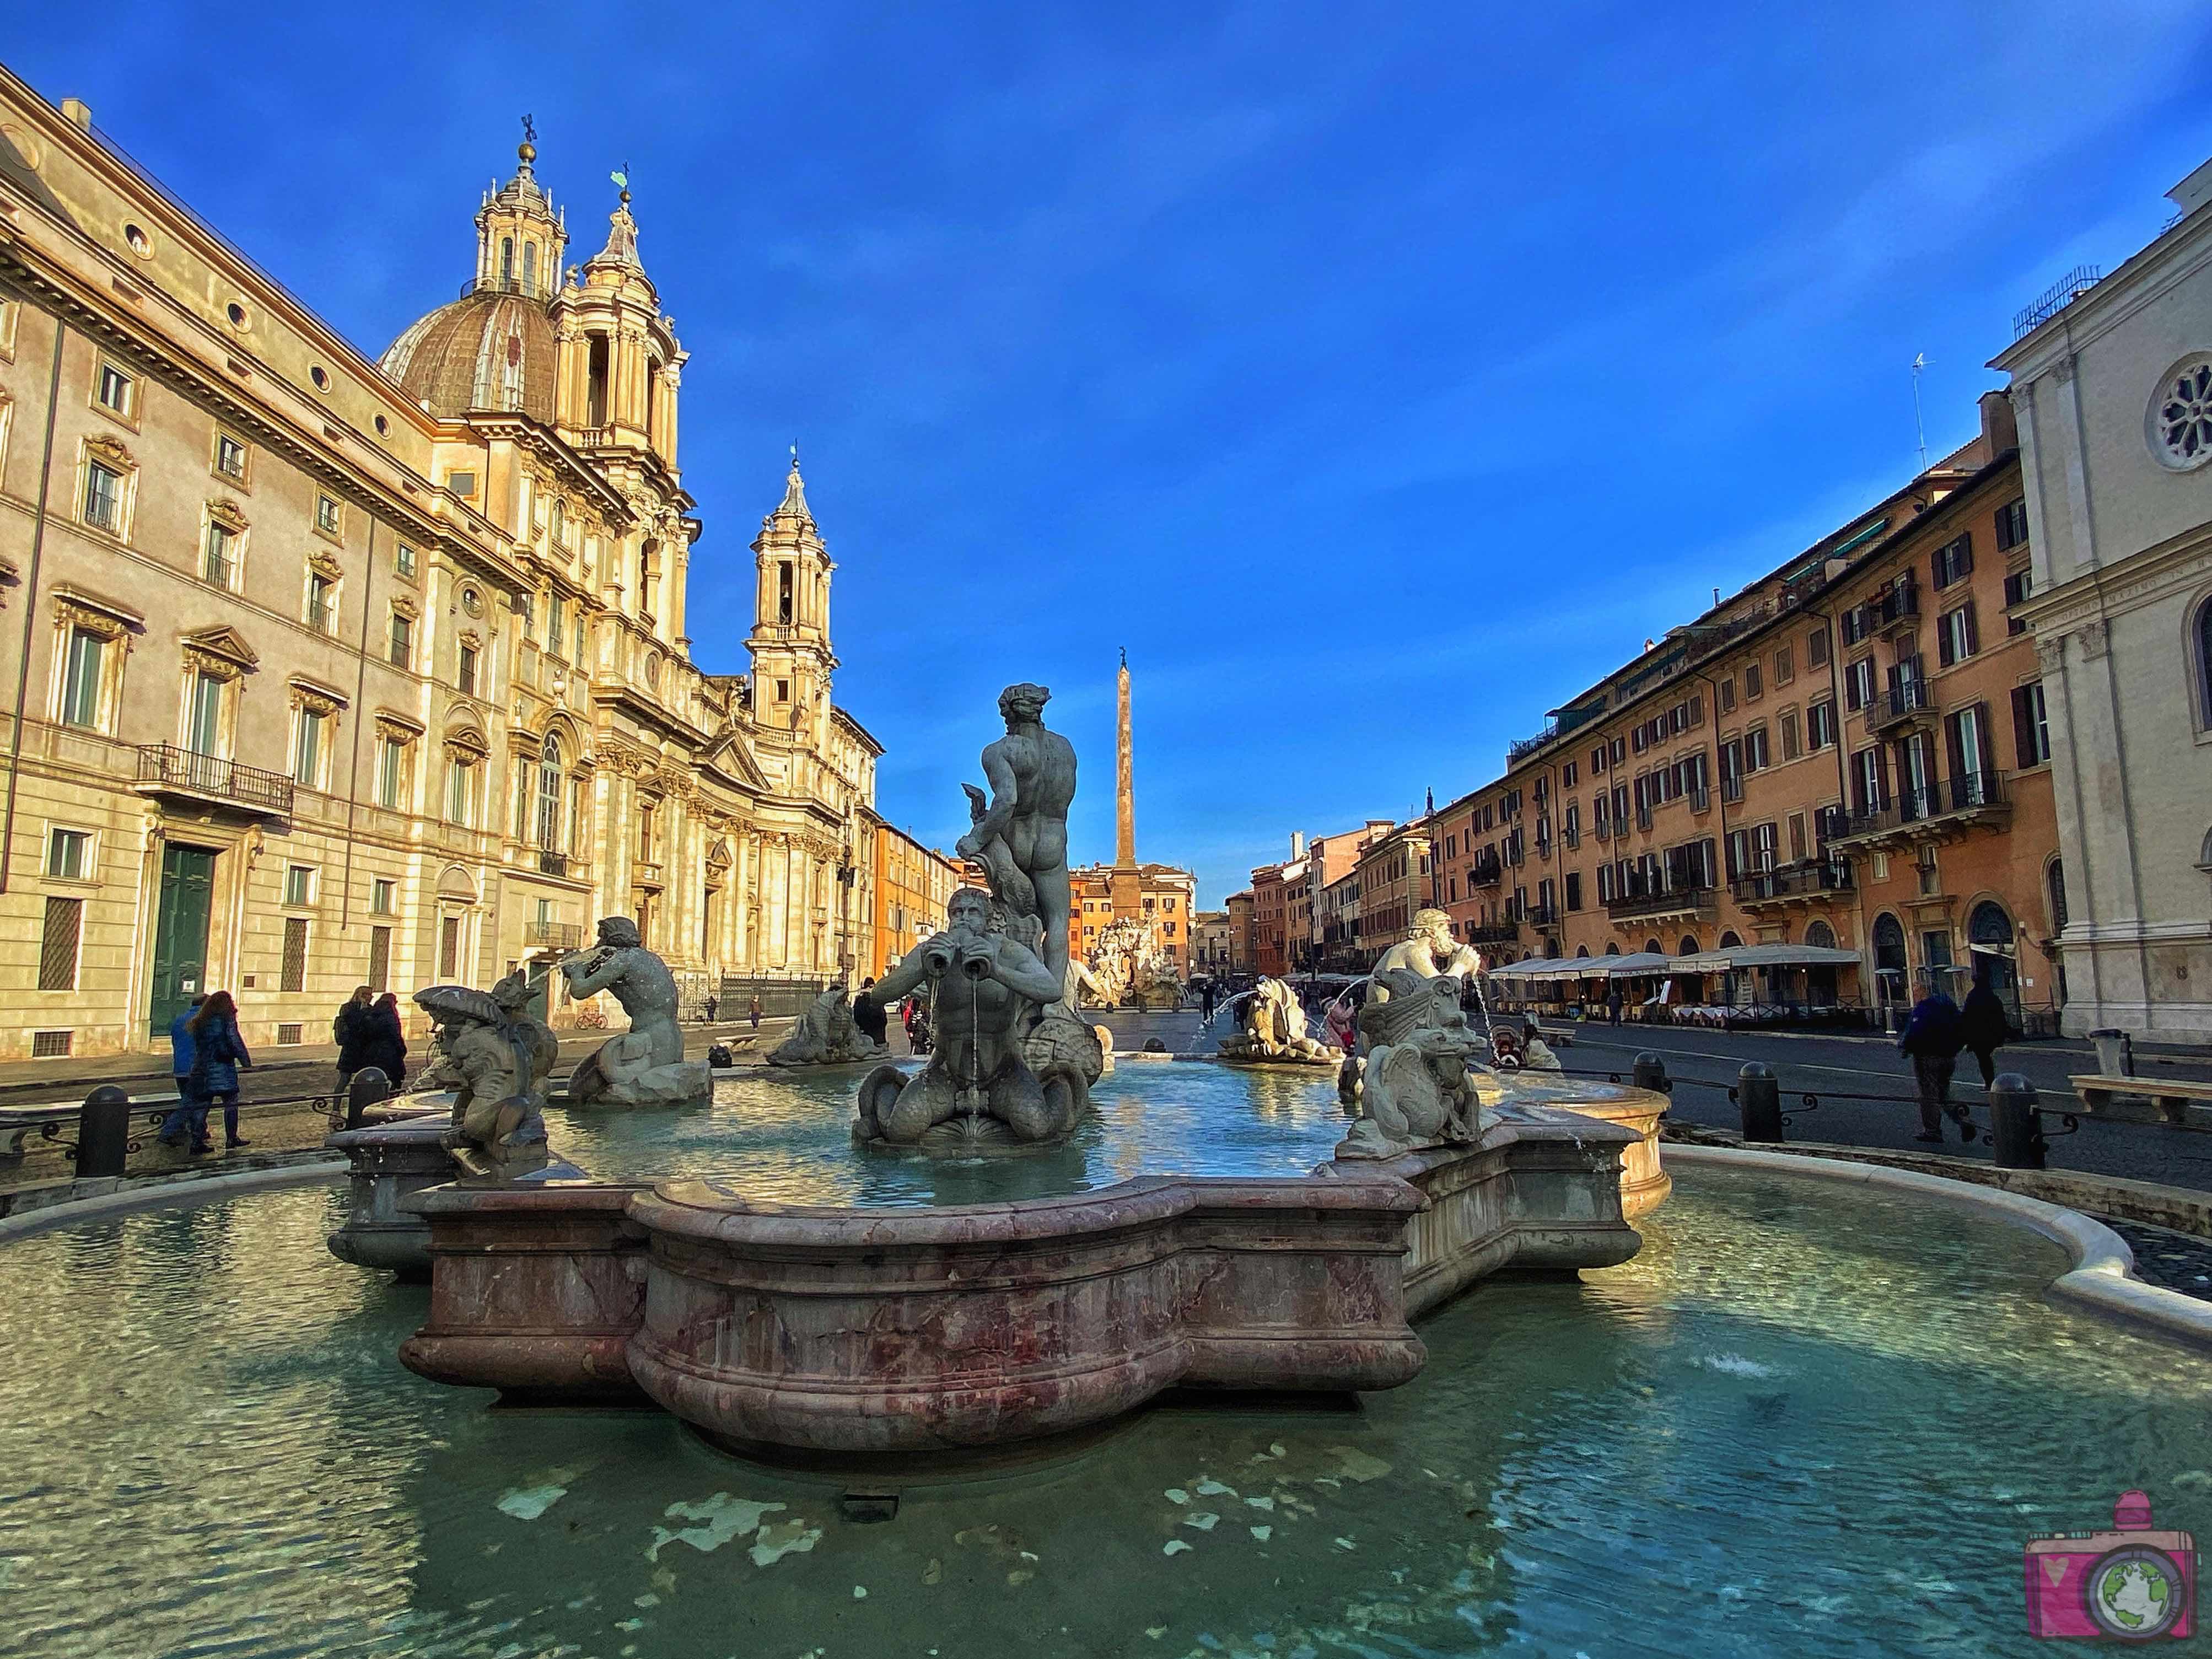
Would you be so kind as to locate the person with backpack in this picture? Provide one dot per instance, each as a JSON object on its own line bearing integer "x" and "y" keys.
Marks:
{"x": 218, "y": 1052}
{"x": 1932, "y": 1039}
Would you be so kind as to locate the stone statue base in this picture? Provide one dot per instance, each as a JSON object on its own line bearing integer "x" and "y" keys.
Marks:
{"x": 683, "y": 1083}
{"x": 868, "y": 1056}
{"x": 1243, "y": 1051}
{"x": 1016, "y": 1111}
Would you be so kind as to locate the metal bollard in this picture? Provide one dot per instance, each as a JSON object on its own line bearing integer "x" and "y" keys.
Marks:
{"x": 103, "y": 1132}
{"x": 1759, "y": 1097}
{"x": 1650, "y": 1071}
{"x": 2015, "y": 1126}
{"x": 368, "y": 1086}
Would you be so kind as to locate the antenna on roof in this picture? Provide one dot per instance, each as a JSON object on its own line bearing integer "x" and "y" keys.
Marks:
{"x": 1920, "y": 430}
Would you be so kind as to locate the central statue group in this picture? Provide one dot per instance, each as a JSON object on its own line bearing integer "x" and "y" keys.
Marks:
{"x": 1012, "y": 1065}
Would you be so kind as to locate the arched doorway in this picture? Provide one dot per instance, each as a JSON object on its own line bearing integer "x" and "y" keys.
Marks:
{"x": 1893, "y": 983}
{"x": 1989, "y": 943}
{"x": 1820, "y": 982}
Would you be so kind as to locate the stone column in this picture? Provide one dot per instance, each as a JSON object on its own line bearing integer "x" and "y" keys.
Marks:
{"x": 1125, "y": 801}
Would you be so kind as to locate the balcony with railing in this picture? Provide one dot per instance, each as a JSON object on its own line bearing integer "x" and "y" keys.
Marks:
{"x": 1897, "y": 604}
{"x": 1792, "y": 883}
{"x": 551, "y": 863}
{"x": 217, "y": 571}
{"x": 1906, "y": 703}
{"x": 1486, "y": 871}
{"x": 166, "y": 770}
{"x": 552, "y": 935}
{"x": 1492, "y": 933}
{"x": 1667, "y": 901}
{"x": 1543, "y": 916}
{"x": 525, "y": 287}
{"x": 1956, "y": 804}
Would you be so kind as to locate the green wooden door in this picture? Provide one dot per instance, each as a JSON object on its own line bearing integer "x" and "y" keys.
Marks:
{"x": 180, "y": 933}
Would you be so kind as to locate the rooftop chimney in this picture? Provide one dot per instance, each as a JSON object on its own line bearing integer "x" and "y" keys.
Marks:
{"x": 76, "y": 110}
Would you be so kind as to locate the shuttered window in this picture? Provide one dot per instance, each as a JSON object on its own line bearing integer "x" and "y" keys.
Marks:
{"x": 380, "y": 958}
{"x": 2031, "y": 724}
{"x": 294, "y": 974}
{"x": 57, "y": 946}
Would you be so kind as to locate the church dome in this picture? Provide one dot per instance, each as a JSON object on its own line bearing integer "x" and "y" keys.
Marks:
{"x": 488, "y": 349}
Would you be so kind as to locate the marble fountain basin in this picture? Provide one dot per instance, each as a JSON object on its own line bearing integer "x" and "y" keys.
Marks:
{"x": 810, "y": 1331}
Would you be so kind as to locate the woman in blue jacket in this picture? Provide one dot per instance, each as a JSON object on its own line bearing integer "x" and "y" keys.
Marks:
{"x": 218, "y": 1052}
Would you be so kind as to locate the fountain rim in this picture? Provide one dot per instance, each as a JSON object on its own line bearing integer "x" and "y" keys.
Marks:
{"x": 2101, "y": 1279}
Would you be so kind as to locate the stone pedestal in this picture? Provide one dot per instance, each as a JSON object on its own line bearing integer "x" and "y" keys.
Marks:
{"x": 535, "y": 1290}
{"x": 391, "y": 1162}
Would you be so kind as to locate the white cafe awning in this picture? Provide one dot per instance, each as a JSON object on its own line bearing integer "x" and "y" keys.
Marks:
{"x": 1766, "y": 955}
{"x": 1643, "y": 965}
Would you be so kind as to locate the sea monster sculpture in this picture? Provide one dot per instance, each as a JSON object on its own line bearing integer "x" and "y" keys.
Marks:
{"x": 496, "y": 1058}
{"x": 1420, "y": 1085}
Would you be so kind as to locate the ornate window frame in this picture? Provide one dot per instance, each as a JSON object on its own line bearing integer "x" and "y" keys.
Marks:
{"x": 321, "y": 562}
{"x": 398, "y": 732}
{"x": 98, "y": 448}
{"x": 220, "y": 513}
{"x": 113, "y": 625}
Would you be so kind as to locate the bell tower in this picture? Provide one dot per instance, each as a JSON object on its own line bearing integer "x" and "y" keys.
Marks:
{"x": 619, "y": 359}
{"x": 790, "y": 642}
{"x": 519, "y": 236}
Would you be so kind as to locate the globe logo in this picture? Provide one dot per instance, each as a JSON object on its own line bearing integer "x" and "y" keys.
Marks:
{"x": 2133, "y": 1580}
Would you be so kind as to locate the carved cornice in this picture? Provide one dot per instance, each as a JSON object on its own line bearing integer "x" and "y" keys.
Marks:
{"x": 324, "y": 562}
{"x": 102, "y": 617}
{"x": 225, "y": 512}
{"x": 221, "y": 651}
{"x": 314, "y": 696}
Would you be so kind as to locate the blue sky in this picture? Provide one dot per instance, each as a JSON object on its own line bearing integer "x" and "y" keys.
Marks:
{"x": 1379, "y": 376}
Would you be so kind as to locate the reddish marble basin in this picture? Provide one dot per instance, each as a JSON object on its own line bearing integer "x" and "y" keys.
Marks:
{"x": 823, "y": 1332}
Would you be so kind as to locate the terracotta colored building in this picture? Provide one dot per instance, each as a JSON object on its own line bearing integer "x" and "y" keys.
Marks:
{"x": 913, "y": 884}
{"x": 1392, "y": 876}
{"x": 1243, "y": 952}
{"x": 1163, "y": 893}
{"x": 1852, "y": 751}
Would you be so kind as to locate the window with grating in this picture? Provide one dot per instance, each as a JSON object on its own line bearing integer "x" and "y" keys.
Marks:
{"x": 57, "y": 948}
{"x": 288, "y": 1036}
{"x": 51, "y": 1045}
{"x": 295, "y": 976}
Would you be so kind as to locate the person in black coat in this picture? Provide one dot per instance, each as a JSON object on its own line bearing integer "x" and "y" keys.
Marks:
{"x": 1983, "y": 1027}
{"x": 868, "y": 1016}
{"x": 383, "y": 1044}
{"x": 350, "y": 1031}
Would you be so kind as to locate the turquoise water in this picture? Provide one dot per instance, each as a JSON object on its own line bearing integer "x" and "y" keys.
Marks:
{"x": 1807, "y": 1420}
{"x": 787, "y": 1136}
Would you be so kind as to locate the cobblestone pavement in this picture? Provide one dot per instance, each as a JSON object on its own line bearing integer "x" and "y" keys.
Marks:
{"x": 2178, "y": 1261}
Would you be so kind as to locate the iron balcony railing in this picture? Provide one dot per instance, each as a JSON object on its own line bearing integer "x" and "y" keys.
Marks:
{"x": 1520, "y": 748}
{"x": 164, "y": 767}
{"x": 1484, "y": 872}
{"x": 1806, "y": 880}
{"x": 552, "y": 935}
{"x": 1970, "y": 792}
{"x": 217, "y": 571}
{"x": 1668, "y": 901}
{"x": 1907, "y": 700}
{"x": 1493, "y": 932}
{"x": 1543, "y": 916}
{"x": 551, "y": 863}
{"x": 1900, "y": 602}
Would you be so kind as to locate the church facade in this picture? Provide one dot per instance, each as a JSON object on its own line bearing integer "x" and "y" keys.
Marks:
{"x": 326, "y": 671}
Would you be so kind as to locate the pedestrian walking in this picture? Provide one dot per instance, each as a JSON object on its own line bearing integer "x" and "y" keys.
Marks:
{"x": 384, "y": 1044}
{"x": 754, "y": 1010}
{"x": 1932, "y": 1038}
{"x": 350, "y": 1031}
{"x": 218, "y": 1052}
{"x": 1206, "y": 1002}
{"x": 1983, "y": 1026}
{"x": 868, "y": 1017}
{"x": 180, "y": 1065}
{"x": 1612, "y": 1004}
{"x": 714, "y": 1002}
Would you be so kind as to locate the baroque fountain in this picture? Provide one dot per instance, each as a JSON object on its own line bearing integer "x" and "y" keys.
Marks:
{"x": 1056, "y": 1323}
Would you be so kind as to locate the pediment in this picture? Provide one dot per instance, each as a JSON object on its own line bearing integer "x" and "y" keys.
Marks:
{"x": 227, "y": 643}
{"x": 729, "y": 755}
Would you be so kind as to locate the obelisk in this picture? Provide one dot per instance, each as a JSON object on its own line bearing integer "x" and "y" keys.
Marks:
{"x": 1126, "y": 890}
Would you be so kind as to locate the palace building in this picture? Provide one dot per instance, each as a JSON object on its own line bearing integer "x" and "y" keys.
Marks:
{"x": 330, "y": 670}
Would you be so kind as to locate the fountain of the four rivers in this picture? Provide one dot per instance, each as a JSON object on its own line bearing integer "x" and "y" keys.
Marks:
{"x": 1169, "y": 1359}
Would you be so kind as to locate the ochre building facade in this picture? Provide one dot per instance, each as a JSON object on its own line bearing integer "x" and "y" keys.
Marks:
{"x": 338, "y": 672}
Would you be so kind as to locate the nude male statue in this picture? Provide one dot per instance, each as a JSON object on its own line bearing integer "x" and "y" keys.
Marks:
{"x": 986, "y": 984}
{"x": 1032, "y": 777}
{"x": 1430, "y": 951}
{"x": 645, "y": 1066}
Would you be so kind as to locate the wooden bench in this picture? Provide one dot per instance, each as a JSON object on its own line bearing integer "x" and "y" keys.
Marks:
{"x": 2172, "y": 1101}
